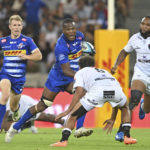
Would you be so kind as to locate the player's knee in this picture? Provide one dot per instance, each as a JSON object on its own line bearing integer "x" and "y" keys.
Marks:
{"x": 4, "y": 98}
{"x": 136, "y": 96}
{"x": 12, "y": 108}
{"x": 47, "y": 102}
{"x": 43, "y": 104}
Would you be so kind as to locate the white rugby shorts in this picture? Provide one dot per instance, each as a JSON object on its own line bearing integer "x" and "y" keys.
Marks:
{"x": 98, "y": 95}
{"x": 139, "y": 75}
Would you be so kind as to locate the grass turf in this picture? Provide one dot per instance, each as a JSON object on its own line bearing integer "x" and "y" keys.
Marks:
{"x": 99, "y": 140}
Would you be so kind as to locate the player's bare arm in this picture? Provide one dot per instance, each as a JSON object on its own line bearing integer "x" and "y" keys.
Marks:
{"x": 110, "y": 122}
{"x": 122, "y": 55}
{"x": 35, "y": 56}
{"x": 79, "y": 93}
{"x": 67, "y": 70}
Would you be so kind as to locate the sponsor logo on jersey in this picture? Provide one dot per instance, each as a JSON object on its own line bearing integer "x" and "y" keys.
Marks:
{"x": 14, "y": 52}
{"x": 20, "y": 45}
{"x": 74, "y": 56}
{"x": 13, "y": 42}
{"x": 3, "y": 40}
{"x": 74, "y": 44}
{"x": 80, "y": 38}
{"x": 23, "y": 39}
{"x": 61, "y": 57}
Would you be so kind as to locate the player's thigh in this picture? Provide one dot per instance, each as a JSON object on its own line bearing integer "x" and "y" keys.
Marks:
{"x": 50, "y": 95}
{"x": 5, "y": 86}
{"x": 146, "y": 103}
{"x": 138, "y": 85}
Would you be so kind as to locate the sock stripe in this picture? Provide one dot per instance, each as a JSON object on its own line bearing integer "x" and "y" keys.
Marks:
{"x": 126, "y": 124}
{"x": 67, "y": 129}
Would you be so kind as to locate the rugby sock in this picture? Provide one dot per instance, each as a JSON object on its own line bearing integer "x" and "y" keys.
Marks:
{"x": 120, "y": 128}
{"x": 2, "y": 113}
{"x": 126, "y": 129}
{"x": 80, "y": 122}
{"x": 22, "y": 120}
{"x": 65, "y": 134}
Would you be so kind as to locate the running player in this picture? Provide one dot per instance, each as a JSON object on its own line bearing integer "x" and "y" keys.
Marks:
{"x": 17, "y": 49}
{"x": 141, "y": 78}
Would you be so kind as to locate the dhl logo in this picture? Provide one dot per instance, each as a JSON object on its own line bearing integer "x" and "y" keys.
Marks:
{"x": 73, "y": 56}
{"x": 14, "y": 52}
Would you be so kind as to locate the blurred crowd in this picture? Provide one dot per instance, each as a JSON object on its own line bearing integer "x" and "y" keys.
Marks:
{"x": 43, "y": 19}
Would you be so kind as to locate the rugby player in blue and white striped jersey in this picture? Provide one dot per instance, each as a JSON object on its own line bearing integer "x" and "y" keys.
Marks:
{"x": 17, "y": 50}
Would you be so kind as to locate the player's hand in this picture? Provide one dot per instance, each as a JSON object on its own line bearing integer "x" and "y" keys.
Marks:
{"x": 113, "y": 70}
{"x": 108, "y": 125}
{"x": 23, "y": 56}
{"x": 61, "y": 115}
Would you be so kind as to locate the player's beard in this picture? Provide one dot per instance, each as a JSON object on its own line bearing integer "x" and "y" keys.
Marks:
{"x": 145, "y": 35}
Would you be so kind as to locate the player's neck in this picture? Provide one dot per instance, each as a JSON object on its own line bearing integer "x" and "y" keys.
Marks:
{"x": 15, "y": 36}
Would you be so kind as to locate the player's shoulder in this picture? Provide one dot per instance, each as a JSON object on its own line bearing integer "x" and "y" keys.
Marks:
{"x": 61, "y": 40}
{"x": 61, "y": 43}
{"x": 25, "y": 38}
{"x": 136, "y": 36}
{"x": 4, "y": 39}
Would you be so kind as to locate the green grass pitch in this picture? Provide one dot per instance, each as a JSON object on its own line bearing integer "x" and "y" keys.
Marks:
{"x": 99, "y": 140}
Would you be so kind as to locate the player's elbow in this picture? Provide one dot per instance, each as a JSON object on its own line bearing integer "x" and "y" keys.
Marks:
{"x": 39, "y": 56}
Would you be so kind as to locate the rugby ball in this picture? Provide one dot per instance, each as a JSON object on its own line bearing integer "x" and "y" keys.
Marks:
{"x": 88, "y": 48}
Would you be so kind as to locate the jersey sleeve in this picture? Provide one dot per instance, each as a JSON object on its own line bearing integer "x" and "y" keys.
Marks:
{"x": 31, "y": 45}
{"x": 78, "y": 80}
{"x": 1, "y": 44}
{"x": 129, "y": 48}
{"x": 61, "y": 53}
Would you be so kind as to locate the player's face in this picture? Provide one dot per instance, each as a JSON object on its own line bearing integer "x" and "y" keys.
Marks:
{"x": 145, "y": 25}
{"x": 69, "y": 31}
{"x": 15, "y": 28}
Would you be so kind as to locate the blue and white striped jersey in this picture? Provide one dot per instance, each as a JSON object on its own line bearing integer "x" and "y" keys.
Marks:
{"x": 12, "y": 64}
{"x": 67, "y": 51}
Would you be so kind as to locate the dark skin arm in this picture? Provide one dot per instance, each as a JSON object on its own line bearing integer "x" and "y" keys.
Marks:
{"x": 122, "y": 55}
{"x": 79, "y": 93}
{"x": 110, "y": 122}
{"x": 67, "y": 70}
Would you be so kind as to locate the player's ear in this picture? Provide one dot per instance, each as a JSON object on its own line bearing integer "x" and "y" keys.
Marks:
{"x": 9, "y": 26}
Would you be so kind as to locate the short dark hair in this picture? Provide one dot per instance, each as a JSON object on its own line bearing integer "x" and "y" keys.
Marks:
{"x": 67, "y": 20}
{"x": 144, "y": 18}
{"x": 86, "y": 61}
{"x": 147, "y": 17}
